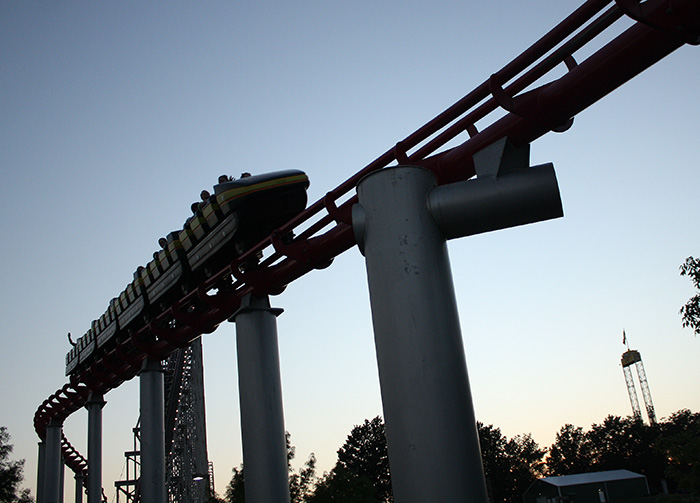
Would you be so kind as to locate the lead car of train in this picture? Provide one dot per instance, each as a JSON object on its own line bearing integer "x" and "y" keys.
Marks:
{"x": 238, "y": 215}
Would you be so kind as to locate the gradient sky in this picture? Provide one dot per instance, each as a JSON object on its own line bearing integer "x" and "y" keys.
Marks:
{"x": 114, "y": 115}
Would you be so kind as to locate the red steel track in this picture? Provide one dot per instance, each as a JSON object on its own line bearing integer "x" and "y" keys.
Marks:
{"x": 324, "y": 229}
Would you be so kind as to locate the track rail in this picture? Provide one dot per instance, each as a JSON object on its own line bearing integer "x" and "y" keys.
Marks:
{"x": 527, "y": 110}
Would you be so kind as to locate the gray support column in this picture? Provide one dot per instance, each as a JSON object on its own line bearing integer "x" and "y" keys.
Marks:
{"x": 260, "y": 392}
{"x": 40, "y": 470}
{"x": 63, "y": 478}
{"x": 430, "y": 424}
{"x": 53, "y": 465}
{"x": 94, "y": 407}
{"x": 152, "y": 432}
{"x": 79, "y": 488}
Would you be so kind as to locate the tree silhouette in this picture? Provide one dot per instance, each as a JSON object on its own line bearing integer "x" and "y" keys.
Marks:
{"x": 691, "y": 310}
{"x": 680, "y": 444}
{"x": 570, "y": 452}
{"x": 510, "y": 466}
{"x": 626, "y": 443}
{"x": 11, "y": 473}
{"x": 361, "y": 473}
{"x": 616, "y": 443}
{"x": 300, "y": 484}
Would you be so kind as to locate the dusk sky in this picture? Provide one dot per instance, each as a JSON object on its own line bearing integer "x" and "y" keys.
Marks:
{"x": 115, "y": 115}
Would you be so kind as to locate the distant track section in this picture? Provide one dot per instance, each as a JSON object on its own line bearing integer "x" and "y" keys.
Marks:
{"x": 517, "y": 102}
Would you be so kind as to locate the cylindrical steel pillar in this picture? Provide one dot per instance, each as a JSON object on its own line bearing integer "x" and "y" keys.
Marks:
{"x": 94, "y": 406}
{"x": 40, "y": 470}
{"x": 79, "y": 487}
{"x": 152, "y": 432}
{"x": 260, "y": 392}
{"x": 63, "y": 478}
{"x": 53, "y": 464}
{"x": 430, "y": 423}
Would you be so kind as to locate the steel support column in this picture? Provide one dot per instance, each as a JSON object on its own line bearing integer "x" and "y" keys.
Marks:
{"x": 40, "y": 470}
{"x": 152, "y": 483}
{"x": 53, "y": 464}
{"x": 63, "y": 478}
{"x": 430, "y": 423}
{"x": 79, "y": 487}
{"x": 94, "y": 407}
{"x": 260, "y": 392}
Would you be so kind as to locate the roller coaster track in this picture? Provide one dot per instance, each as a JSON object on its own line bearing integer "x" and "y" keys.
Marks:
{"x": 324, "y": 229}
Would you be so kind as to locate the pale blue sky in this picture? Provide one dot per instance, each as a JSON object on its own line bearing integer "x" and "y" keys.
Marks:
{"x": 113, "y": 117}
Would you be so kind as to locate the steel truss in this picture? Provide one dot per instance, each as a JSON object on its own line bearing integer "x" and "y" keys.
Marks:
{"x": 186, "y": 463}
{"x": 189, "y": 474}
{"x": 633, "y": 358}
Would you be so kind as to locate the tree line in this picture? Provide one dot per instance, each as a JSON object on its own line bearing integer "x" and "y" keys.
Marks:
{"x": 667, "y": 453}
{"x": 11, "y": 473}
